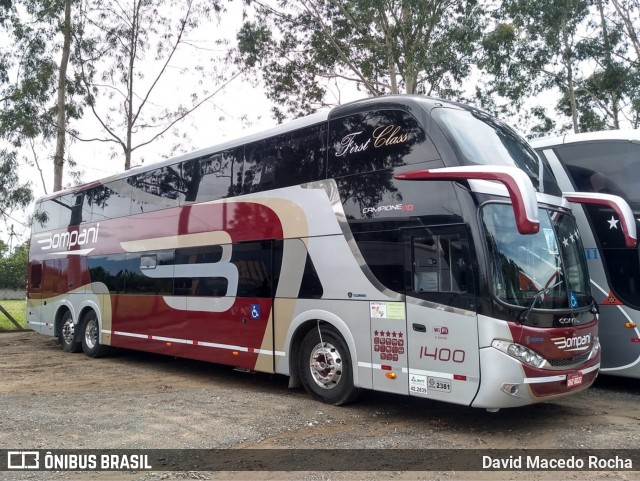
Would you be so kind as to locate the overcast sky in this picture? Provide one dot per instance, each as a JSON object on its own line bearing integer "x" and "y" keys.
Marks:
{"x": 240, "y": 109}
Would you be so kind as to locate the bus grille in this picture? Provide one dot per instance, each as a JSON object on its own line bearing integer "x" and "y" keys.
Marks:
{"x": 568, "y": 362}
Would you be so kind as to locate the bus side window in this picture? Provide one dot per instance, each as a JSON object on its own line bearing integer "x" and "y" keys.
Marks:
{"x": 110, "y": 201}
{"x": 213, "y": 177}
{"x": 425, "y": 264}
{"x": 154, "y": 190}
{"x": 254, "y": 263}
{"x": 47, "y": 216}
{"x": 35, "y": 279}
{"x": 441, "y": 269}
{"x": 289, "y": 159}
{"x": 300, "y": 156}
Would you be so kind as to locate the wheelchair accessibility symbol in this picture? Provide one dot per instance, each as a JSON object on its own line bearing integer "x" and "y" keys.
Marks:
{"x": 255, "y": 311}
{"x": 573, "y": 299}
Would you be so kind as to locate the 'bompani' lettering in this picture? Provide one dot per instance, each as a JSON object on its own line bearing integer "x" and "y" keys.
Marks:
{"x": 579, "y": 343}
{"x": 67, "y": 240}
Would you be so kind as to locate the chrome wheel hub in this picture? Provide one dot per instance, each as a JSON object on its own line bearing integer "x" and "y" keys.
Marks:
{"x": 326, "y": 365}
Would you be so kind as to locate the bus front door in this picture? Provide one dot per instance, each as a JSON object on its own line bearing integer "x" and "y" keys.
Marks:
{"x": 442, "y": 324}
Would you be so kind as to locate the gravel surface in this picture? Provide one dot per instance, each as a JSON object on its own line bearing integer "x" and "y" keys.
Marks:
{"x": 50, "y": 399}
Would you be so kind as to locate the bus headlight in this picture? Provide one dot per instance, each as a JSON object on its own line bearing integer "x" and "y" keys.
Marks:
{"x": 521, "y": 353}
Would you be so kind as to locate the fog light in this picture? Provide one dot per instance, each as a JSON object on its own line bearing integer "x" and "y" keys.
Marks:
{"x": 511, "y": 389}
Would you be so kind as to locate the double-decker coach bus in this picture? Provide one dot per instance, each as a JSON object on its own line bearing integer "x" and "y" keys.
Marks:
{"x": 401, "y": 244}
{"x": 606, "y": 162}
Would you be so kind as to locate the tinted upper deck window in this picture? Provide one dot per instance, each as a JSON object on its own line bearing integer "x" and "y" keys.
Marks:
{"x": 212, "y": 177}
{"x": 376, "y": 140}
{"x": 288, "y": 159}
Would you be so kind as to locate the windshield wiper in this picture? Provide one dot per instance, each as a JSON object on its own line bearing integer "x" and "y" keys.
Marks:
{"x": 524, "y": 315}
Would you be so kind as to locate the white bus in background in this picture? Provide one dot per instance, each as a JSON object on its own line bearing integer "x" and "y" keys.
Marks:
{"x": 606, "y": 162}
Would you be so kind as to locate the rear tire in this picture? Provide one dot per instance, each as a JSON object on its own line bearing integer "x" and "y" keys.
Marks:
{"x": 325, "y": 368}
{"x": 67, "y": 336}
{"x": 90, "y": 335}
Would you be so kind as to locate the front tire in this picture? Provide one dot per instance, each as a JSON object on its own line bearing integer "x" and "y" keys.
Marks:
{"x": 90, "y": 335}
{"x": 325, "y": 367}
{"x": 67, "y": 335}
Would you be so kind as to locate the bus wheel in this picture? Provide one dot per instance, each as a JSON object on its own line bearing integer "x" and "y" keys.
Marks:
{"x": 326, "y": 369}
{"x": 91, "y": 337}
{"x": 67, "y": 336}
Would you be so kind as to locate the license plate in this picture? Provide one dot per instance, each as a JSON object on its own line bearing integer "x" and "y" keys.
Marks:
{"x": 574, "y": 380}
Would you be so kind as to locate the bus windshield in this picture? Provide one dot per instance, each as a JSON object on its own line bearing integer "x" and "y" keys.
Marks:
{"x": 481, "y": 139}
{"x": 547, "y": 267}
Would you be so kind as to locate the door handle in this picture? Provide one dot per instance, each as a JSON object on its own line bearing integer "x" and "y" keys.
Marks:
{"x": 419, "y": 327}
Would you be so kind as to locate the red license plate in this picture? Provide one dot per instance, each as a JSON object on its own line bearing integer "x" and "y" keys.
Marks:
{"x": 574, "y": 380}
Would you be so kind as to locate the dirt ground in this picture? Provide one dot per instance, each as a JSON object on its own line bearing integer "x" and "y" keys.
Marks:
{"x": 50, "y": 399}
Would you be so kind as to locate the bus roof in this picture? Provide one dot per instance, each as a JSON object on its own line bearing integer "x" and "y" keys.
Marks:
{"x": 299, "y": 123}
{"x": 632, "y": 135}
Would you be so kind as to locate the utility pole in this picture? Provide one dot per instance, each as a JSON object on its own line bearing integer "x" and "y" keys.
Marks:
{"x": 12, "y": 234}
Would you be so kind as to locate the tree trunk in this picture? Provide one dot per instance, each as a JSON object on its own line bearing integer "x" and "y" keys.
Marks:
{"x": 570, "y": 86}
{"x": 61, "y": 124}
{"x": 615, "y": 110}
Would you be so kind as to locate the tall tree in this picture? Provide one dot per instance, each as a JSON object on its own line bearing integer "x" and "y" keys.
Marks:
{"x": 628, "y": 14}
{"x": 533, "y": 47}
{"x": 61, "y": 114}
{"x": 126, "y": 52}
{"x": 34, "y": 87}
{"x": 300, "y": 47}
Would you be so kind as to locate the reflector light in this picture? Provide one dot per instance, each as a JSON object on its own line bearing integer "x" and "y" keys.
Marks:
{"x": 384, "y": 367}
{"x": 235, "y": 353}
{"x": 630, "y": 325}
{"x": 635, "y": 339}
{"x": 390, "y": 375}
{"x": 459, "y": 377}
{"x": 168, "y": 344}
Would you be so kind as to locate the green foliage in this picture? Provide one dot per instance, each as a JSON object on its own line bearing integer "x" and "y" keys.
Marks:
{"x": 13, "y": 268}
{"x": 13, "y": 193}
{"x": 579, "y": 48}
{"x": 380, "y": 46}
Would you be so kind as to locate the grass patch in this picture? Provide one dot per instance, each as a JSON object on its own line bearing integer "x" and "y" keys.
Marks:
{"x": 17, "y": 309}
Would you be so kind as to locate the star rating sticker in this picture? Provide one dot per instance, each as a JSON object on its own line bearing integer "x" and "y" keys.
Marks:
{"x": 613, "y": 223}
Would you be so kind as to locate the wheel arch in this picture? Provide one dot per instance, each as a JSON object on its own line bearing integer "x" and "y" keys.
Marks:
{"x": 307, "y": 321}
{"x": 88, "y": 306}
{"x": 63, "y": 308}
